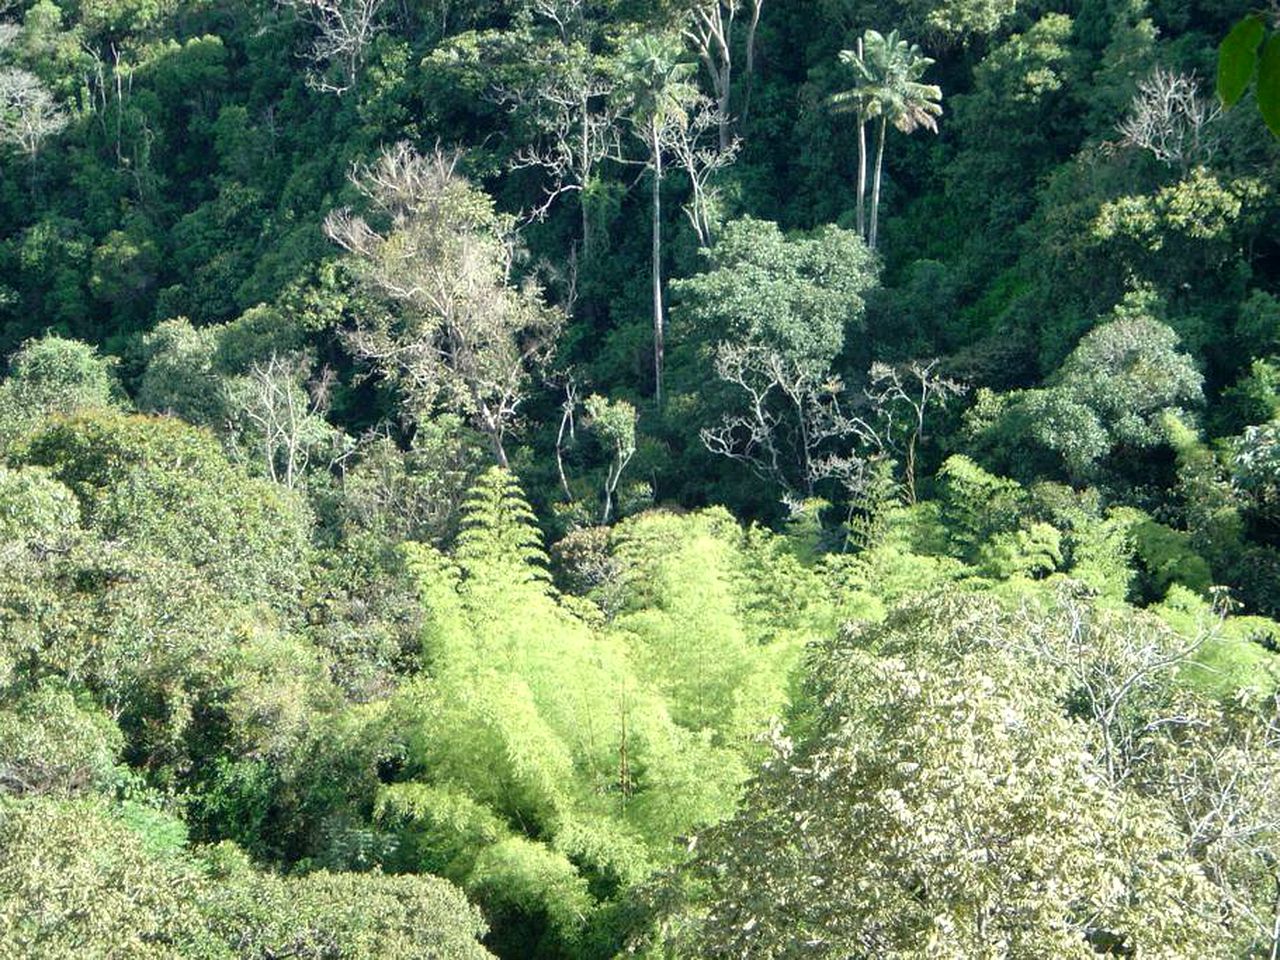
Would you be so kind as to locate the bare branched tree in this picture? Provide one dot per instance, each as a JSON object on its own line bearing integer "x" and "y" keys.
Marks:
{"x": 696, "y": 149}
{"x": 710, "y": 29}
{"x": 614, "y": 422}
{"x": 29, "y": 116}
{"x": 1116, "y": 677}
{"x": 1218, "y": 775}
{"x": 577, "y": 115}
{"x": 28, "y": 113}
{"x": 342, "y": 32}
{"x": 800, "y": 423}
{"x": 903, "y": 396}
{"x": 462, "y": 333}
{"x": 276, "y": 410}
{"x": 794, "y": 430}
{"x": 568, "y": 432}
{"x": 1170, "y": 119}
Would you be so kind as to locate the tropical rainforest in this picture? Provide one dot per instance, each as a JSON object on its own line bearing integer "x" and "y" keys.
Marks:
{"x": 575, "y": 479}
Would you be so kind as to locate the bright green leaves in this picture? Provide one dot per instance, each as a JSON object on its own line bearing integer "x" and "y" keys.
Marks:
{"x": 1238, "y": 61}
{"x": 1238, "y": 58}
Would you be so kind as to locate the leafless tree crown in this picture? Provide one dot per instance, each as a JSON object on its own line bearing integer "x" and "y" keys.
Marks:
{"x": 1170, "y": 119}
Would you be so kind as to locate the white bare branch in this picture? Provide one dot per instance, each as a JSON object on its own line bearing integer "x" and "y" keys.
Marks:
{"x": 342, "y": 31}
{"x": 1170, "y": 119}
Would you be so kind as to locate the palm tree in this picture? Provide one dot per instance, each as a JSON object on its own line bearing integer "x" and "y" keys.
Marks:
{"x": 856, "y": 101}
{"x": 887, "y": 87}
{"x": 659, "y": 86}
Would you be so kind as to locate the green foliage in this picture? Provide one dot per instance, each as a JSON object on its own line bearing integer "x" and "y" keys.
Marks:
{"x": 1233, "y": 659}
{"x": 546, "y": 761}
{"x": 1246, "y": 50}
{"x": 1253, "y": 399}
{"x": 413, "y": 494}
{"x": 1167, "y": 558}
{"x": 53, "y": 745}
{"x": 956, "y": 19}
{"x": 615, "y": 423}
{"x": 1256, "y": 466}
{"x": 49, "y": 377}
{"x": 1198, "y": 214}
{"x": 1128, "y": 371}
{"x": 659, "y": 80}
{"x": 1033, "y": 552}
{"x": 159, "y": 486}
{"x": 499, "y": 537}
{"x": 1211, "y": 507}
{"x": 772, "y": 314}
{"x": 1026, "y": 81}
{"x": 335, "y": 914}
{"x": 540, "y": 891}
{"x": 180, "y": 377}
{"x": 1097, "y": 542}
{"x": 1268, "y": 90}
{"x": 799, "y": 296}
{"x": 1111, "y": 395}
{"x": 685, "y": 619}
{"x": 1238, "y": 58}
{"x": 35, "y": 508}
{"x": 77, "y": 873}
{"x": 72, "y": 874}
{"x": 977, "y": 505}
{"x": 285, "y": 672}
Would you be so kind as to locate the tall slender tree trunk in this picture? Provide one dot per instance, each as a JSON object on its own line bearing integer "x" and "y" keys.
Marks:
{"x": 751, "y": 57}
{"x": 585, "y": 146}
{"x": 658, "y": 332}
{"x": 609, "y": 484}
{"x": 862, "y": 163}
{"x": 566, "y": 420}
{"x": 1275, "y": 925}
{"x": 875, "y": 193}
{"x": 862, "y": 175}
{"x": 499, "y": 451}
{"x": 725, "y": 97}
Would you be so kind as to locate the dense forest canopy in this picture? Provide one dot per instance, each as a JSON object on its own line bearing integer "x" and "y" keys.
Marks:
{"x": 670, "y": 478}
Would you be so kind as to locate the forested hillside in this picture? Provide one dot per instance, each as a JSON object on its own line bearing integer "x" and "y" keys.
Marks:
{"x": 665, "y": 478}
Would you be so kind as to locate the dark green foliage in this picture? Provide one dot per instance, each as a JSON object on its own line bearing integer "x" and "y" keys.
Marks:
{"x": 1251, "y": 49}
{"x": 1238, "y": 58}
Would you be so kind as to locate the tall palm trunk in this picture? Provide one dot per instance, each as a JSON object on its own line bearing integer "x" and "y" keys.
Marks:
{"x": 875, "y": 192}
{"x": 862, "y": 175}
{"x": 658, "y": 338}
{"x": 862, "y": 163}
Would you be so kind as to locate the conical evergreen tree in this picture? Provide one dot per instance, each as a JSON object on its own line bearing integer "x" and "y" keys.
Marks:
{"x": 500, "y": 542}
